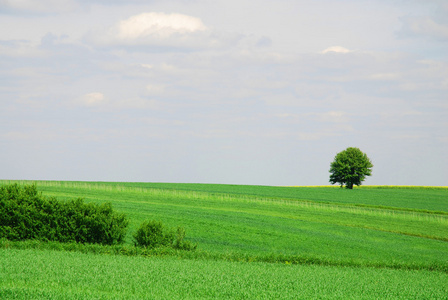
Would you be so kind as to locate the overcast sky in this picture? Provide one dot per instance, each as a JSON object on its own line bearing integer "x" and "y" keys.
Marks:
{"x": 239, "y": 92}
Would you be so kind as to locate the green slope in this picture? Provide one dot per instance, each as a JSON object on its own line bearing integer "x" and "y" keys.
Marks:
{"x": 267, "y": 221}
{"x": 328, "y": 243}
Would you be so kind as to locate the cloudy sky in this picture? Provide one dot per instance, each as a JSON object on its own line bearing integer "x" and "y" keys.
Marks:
{"x": 223, "y": 91}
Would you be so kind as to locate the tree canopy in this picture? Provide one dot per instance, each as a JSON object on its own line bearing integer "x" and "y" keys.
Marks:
{"x": 350, "y": 167}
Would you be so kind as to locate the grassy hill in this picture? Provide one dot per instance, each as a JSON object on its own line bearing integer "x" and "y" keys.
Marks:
{"x": 386, "y": 239}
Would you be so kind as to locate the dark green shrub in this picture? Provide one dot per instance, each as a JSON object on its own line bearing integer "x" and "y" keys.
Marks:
{"x": 180, "y": 243}
{"x": 152, "y": 234}
{"x": 26, "y": 214}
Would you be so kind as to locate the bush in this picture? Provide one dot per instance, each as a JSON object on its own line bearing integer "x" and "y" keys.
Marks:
{"x": 152, "y": 234}
{"x": 180, "y": 243}
{"x": 26, "y": 214}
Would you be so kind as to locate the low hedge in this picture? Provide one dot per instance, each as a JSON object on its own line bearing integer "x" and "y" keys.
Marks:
{"x": 26, "y": 214}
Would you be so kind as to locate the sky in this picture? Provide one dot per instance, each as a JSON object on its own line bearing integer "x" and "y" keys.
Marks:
{"x": 233, "y": 92}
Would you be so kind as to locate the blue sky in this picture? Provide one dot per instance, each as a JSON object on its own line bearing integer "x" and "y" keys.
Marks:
{"x": 223, "y": 91}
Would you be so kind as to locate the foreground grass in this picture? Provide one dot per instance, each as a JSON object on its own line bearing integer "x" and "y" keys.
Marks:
{"x": 33, "y": 274}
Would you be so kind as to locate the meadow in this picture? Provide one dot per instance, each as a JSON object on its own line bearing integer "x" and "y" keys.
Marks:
{"x": 30, "y": 274}
{"x": 254, "y": 242}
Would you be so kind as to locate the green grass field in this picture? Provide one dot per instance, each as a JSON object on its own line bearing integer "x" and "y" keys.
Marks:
{"x": 31, "y": 274}
{"x": 254, "y": 241}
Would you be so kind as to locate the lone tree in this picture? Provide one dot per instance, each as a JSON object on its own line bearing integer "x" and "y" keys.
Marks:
{"x": 350, "y": 167}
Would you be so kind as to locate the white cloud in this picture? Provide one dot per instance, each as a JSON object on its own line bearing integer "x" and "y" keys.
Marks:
{"x": 93, "y": 99}
{"x": 157, "y": 25}
{"x": 336, "y": 49}
{"x": 385, "y": 76}
{"x": 20, "y": 48}
{"x": 155, "y": 89}
{"x": 426, "y": 27}
{"x": 431, "y": 24}
{"x": 117, "y": 102}
{"x": 155, "y": 30}
{"x": 136, "y": 103}
{"x": 327, "y": 117}
{"x": 332, "y": 117}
